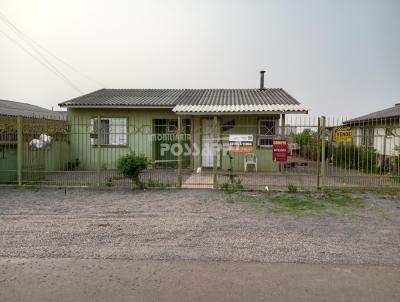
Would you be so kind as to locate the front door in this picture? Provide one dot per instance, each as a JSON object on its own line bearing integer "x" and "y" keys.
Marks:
{"x": 207, "y": 150}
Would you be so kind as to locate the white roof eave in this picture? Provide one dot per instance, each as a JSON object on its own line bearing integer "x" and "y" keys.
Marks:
{"x": 241, "y": 109}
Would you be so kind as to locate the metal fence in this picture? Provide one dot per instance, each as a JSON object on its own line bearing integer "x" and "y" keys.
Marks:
{"x": 198, "y": 152}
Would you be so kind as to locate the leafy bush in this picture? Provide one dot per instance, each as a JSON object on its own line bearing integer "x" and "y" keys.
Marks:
{"x": 308, "y": 142}
{"x": 292, "y": 188}
{"x": 132, "y": 165}
{"x": 109, "y": 182}
{"x": 306, "y": 137}
{"x": 353, "y": 157}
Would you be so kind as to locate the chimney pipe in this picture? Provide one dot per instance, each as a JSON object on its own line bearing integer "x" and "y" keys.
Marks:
{"x": 262, "y": 79}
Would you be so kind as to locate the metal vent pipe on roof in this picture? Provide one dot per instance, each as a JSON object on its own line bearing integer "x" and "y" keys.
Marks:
{"x": 262, "y": 79}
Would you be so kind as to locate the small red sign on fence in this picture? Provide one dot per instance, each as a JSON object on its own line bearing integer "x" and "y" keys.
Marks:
{"x": 280, "y": 149}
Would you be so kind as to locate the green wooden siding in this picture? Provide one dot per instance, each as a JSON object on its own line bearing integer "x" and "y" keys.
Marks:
{"x": 8, "y": 163}
{"x": 140, "y": 131}
{"x": 35, "y": 162}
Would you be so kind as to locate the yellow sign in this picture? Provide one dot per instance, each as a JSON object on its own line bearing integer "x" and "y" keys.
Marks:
{"x": 342, "y": 134}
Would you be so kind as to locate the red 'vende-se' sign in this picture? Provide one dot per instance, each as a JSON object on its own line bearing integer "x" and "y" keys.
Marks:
{"x": 280, "y": 149}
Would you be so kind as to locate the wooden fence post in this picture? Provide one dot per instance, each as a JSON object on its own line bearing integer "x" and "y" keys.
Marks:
{"x": 98, "y": 159}
{"x": 323, "y": 155}
{"x": 19, "y": 150}
{"x": 180, "y": 155}
{"x": 319, "y": 153}
{"x": 283, "y": 135}
{"x": 215, "y": 154}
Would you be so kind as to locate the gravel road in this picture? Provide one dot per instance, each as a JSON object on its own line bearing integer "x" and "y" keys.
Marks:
{"x": 190, "y": 225}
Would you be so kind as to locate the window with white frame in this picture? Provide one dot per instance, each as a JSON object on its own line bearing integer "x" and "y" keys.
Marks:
{"x": 113, "y": 131}
{"x": 266, "y": 132}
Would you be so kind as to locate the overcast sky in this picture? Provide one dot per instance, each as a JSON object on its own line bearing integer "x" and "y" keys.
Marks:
{"x": 336, "y": 57}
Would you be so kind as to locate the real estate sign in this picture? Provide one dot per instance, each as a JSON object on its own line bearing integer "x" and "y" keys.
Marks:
{"x": 280, "y": 149}
{"x": 342, "y": 134}
{"x": 241, "y": 143}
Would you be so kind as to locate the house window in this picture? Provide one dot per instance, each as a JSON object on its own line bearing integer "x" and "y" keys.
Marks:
{"x": 172, "y": 126}
{"x": 266, "y": 132}
{"x": 113, "y": 131}
{"x": 367, "y": 137}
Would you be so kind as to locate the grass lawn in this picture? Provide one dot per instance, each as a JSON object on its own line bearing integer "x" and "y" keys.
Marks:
{"x": 320, "y": 203}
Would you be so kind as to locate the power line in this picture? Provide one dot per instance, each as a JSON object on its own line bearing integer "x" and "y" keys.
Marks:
{"x": 41, "y": 62}
{"x": 35, "y": 43}
{"x": 45, "y": 61}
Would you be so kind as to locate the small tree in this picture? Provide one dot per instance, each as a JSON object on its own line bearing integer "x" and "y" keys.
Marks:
{"x": 131, "y": 165}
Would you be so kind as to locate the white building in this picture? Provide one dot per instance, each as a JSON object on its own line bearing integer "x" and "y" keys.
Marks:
{"x": 379, "y": 130}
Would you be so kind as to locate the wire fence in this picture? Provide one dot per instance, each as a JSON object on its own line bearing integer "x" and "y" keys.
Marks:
{"x": 202, "y": 152}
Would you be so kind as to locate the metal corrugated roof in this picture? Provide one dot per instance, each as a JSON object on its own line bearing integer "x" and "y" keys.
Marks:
{"x": 127, "y": 97}
{"x": 193, "y": 100}
{"x": 241, "y": 100}
{"x": 11, "y": 108}
{"x": 392, "y": 112}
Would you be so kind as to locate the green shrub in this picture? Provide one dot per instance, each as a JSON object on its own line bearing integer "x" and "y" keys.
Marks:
{"x": 292, "y": 188}
{"x": 238, "y": 185}
{"x": 132, "y": 165}
{"x": 109, "y": 182}
{"x": 232, "y": 187}
{"x": 395, "y": 166}
{"x": 226, "y": 187}
{"x": 306, "y": 137}
{"x": 308, "y": 142}
{"x": 350, "y": 156}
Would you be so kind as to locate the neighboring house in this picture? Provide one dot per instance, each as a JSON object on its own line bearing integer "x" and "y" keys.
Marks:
{"x": 129, "y": 117}
{"x": 379, "y": 130}
{"x": 34, "y": 118}
{"x": 10, "y": 108}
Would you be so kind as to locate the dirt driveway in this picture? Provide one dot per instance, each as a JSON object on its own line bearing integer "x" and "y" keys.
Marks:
{"x": 197, "y": 245}
{"x": 193, "y": 225}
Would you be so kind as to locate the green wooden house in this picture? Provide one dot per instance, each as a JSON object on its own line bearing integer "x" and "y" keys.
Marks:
{"x": 152, "y": 121}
